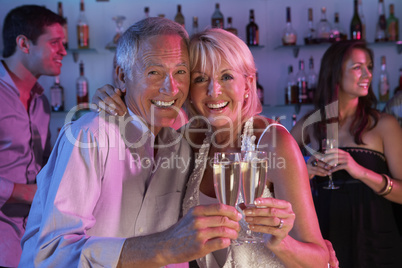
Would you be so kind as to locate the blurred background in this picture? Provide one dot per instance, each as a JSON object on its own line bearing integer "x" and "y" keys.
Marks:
{"x": 272, "y": 57}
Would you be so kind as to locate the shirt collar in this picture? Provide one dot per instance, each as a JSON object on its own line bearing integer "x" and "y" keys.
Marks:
{"x": 37, "y": 89}
{"x": 136, "y": 129}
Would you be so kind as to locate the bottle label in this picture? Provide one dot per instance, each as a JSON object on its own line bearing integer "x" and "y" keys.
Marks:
{"x": 392, "y": 31}
{"x": 65, "y": 28}
{"x": 289, "y": 39}
{"x": 82, "y": 89}
{"x": 384, "y": 87}
{"x": 83, "y": 36}
{"x": 55, "y": 98}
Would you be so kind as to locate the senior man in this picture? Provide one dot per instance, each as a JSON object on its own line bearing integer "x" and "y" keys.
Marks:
{"x": 112, "y": 190}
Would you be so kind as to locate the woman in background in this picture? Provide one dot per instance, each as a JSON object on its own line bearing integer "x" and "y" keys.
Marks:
{"x": 358, "y": 217}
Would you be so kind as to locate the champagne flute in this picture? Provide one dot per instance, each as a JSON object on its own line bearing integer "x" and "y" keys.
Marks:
{"x": 328, "y": 144}
{"x": 254, "y": 169}
{"x": 226, "y": 172}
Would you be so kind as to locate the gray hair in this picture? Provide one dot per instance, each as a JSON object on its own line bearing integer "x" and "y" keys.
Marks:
{"x": 130, "y": 42}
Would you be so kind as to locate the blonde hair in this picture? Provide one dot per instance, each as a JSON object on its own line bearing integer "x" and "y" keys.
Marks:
{"x": 214, "y": 46}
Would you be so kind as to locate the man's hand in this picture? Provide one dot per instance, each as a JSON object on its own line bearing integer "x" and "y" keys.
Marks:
{"x": 23, "y": 193}
{"x": 109, "y": 99}
{"x": 202, "y": 230}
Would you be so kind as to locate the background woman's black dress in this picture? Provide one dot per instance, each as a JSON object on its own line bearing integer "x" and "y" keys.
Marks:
{"x": 360, "y": 224}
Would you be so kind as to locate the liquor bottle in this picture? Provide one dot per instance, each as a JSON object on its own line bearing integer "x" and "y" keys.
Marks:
{"x": 260, "y": 90}
{"x": 146, "y": 12}
{"x": 356, "y": 28}
{"x": 392, "y": 25}
{"x": 383, "y": 87}
{"x": 302, "y": 83}
{"x": 399, "y": 87}
{"x": 179, "y": 18}
{"x": 381, "y": 27}
{"x": 310, "y": 35}
{"x": 289, "y": 36}
{"x": 217, "y": 18}
{"x": 82, "y": 86}
{"x": 323, "y": 27}
{"x": 311, "y": 81}
{"x": 195, "y": 25}
{"x": 291, "y": 89}
{"x": 362, "y": 19}
{"x": 337, "y": 32}
{"x": 230, "y": 28}
{"x": 57, "y": 95}
{"x": 252, "y": 33}
{"x": 65, "y": 28}
{"x": 82, "y": 28}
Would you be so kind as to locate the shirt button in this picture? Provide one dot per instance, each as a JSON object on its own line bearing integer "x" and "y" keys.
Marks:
{"x": 141, "y": 230}
{"x": 147, "y": 161}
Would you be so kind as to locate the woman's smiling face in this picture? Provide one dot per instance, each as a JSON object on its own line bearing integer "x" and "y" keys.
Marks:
{"x": 218, "y": 96}
{"x": 357, "y": 74}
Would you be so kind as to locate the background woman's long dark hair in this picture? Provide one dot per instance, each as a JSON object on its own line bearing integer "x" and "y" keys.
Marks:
{"x": 329, "y": 78}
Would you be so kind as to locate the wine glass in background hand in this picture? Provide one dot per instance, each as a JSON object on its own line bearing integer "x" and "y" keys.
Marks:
{"x": 328, "y": 144}
{"x": 254, "y": 169}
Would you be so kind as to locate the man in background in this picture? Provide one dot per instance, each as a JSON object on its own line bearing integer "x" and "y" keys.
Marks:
{"x": 33, "y": 46}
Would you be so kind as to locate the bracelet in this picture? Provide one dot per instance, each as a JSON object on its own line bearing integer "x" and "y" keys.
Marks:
{"x": 388, "y": 187}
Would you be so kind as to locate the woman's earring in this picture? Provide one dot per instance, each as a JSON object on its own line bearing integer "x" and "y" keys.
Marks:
{"x": 246, "y": 96}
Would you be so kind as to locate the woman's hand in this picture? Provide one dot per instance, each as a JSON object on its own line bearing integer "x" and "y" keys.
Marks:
{"x": 109, "y": 99}
{"x": 272, "y": 216}
{"x": 316, "y": 167}
{"x": 338, "y": 159}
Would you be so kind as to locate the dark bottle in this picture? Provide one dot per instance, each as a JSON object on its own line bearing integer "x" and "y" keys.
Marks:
{"x": 291, "y": 89}
{"x": 57, "y": 96}
{"x": 311, "y": 81}
{"x": 260, "y": 90}
{"x": 381, "y": 27}
{"x": 252, "y": 33}
{"x": 179, "y": 18}
{"x": 230, "y": 27}
{"x": 65, "y": 28}
{"x": 302, "y": 83}
{"x": 82, "y": 87}
{"x": 195, "y": 25}
{"x": 217, "y": 18}
{"x": 399, "y": 87}
{"x": 356, "y": 27}
{"x": 392, "y": 25}
{"x": 310, "y": 35}
{"x": 146, "y": 12}
{"x": 362, "y": 19}
{"x": 289, "y": 36}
